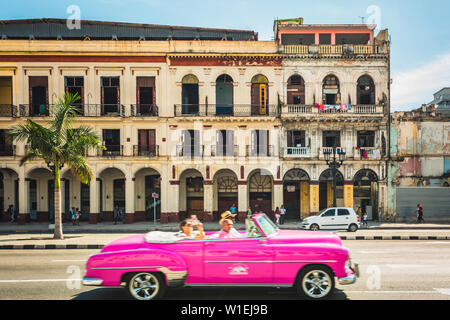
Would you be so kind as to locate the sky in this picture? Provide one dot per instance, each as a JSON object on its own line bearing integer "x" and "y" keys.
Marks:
{"x": 419, "y": 30}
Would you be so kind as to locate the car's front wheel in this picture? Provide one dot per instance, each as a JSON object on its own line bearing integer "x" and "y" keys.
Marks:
{"x": 315, "y": 283}
{"x": 146, "y": 286}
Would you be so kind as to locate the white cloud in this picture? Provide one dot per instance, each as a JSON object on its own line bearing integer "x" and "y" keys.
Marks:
{"x": 414, "y": 87}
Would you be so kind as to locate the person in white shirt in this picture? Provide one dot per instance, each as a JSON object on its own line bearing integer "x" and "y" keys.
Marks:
{"x": 282, "y": 214}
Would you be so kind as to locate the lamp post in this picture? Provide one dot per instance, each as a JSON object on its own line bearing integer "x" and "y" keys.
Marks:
{"x": 334, "y": 164}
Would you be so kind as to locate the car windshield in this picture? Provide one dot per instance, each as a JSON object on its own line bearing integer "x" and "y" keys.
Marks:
{"x": 267, "y": 226}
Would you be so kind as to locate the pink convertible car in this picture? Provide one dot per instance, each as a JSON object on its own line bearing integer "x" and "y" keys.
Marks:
{"x": 147, "y": 265}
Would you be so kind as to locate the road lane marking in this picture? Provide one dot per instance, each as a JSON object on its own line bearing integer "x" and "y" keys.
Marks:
{"x": 37, "y": 280}
{"x": 443, "y": 291}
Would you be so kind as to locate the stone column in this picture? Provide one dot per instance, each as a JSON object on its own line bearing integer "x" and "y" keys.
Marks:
{"x": 23, "y": 213}
{"x": 130, "y": 198}
{"x": 348, "y": 194}
{"x": 277, "y": 194}
{"x": 94, "y": 197}
{"x": 242, "y": 200}
{"x": 314, "y": 197}
{"x": 172, "y": 210}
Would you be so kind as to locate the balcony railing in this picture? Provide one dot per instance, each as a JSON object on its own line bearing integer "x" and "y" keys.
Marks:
{"x": 98, "y": 110}
{"x": 224, "y": 110}
{"x": 299, "y": 110}
{"x": 260, "y": 151}
{"x": 8, "y": 110}
{"x": 30, "y": 110}
{"x": 190, "y": 152}
{"x": 367, "y": 153}
{"x": 111, "y": 151}
{"x": 149, "y": 110}
{"x": 329, "y": 149}
{"x": 150, "y": 151}
{"x": 7, "y": 150}
{"x": 324, "y": 49}
{"x": 297, "y": 152}
{"x": 218, "y": 151}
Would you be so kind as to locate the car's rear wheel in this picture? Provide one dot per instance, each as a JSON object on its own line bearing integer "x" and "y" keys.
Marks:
{"x": 146, "y": 286}
{"x": 353, "y": 228}
{"x": 314, "y": 227}
{"x": 315, "y": 283}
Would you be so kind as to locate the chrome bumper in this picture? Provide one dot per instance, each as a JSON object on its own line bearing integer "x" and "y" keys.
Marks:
{"x": 92, "y": 282}
{"x": 352, "y": 278}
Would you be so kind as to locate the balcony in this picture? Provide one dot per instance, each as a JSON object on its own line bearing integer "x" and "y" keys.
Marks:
{"x": 346, "y": 49}
{"x": 99, "y": 110}
{"x": 216, "y": 110}
{"x": 217, "y": 151}
{"x": 144, "y": 110}
{"x": 366, "y": 153}
{"x": 289, "y": 110}
{"x": 260, "y": 151}
{"x": 7, "y": 150}
{"x": 111, "y": 151}
{"x": 8, "y": 110}
{"x": 329, "y": 149}
{"x": 296, "y": 152}
{"x": 190, "y": 151}
{"x": 149, "y": 151}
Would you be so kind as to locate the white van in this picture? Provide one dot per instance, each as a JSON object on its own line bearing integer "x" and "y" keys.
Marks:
{"x": 333, "y": 219}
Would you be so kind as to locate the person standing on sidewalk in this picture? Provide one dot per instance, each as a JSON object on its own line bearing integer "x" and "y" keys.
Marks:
{"x": 73, "y": 214}
{"x": 277, "y": 215}
{"x": 233, "y": 209}
{"x": 78, "y": 216}
{"x": 117, "y": 214}
{"x": 364, "y": 219}
{"x": 359, "y": 212}
{"x": 282, "y": 214}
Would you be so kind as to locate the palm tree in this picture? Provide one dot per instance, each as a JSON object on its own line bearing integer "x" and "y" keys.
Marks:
{"x": 58, "y": 145}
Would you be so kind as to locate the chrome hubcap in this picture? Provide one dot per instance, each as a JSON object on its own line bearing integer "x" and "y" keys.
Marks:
{"x": 316, "y": 284}
{"x": 144, "y": 286}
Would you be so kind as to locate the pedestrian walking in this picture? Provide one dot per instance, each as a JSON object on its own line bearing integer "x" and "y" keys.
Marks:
{"x": 12, "y": 213}
{"x": 420, "y": 214}
{"x": 117, "y": 214}
{"x": 277, "y": 215}
{"x": 359, "y": 212}
{"x": 282, "y": 214}
{"x": 73, "y": 214}
{"x": 249, "y": 212}
{"x": 364, "y": 219}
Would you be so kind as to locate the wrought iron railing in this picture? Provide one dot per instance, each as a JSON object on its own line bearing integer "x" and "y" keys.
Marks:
{"x": 138, "y": 110}
{"x": 9, "y": 110}
{"x": 191, "y": 151}
{"x": 225, "y": 110}
{"x": 111, "y": 151}
{"x": 223, "y": 151}
{"x": 98, "y": 110}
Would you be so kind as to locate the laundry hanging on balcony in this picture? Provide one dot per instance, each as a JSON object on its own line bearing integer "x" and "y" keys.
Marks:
{"x": 341, "y": 107}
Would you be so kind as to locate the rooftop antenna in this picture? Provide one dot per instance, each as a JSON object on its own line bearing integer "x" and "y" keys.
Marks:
{"x": 362, "y": 19}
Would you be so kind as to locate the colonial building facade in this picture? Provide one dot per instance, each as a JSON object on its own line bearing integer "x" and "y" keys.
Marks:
{"x": 195, "y": 120}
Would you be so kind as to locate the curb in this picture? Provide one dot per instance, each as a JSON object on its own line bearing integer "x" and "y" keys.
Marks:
{"x": 100, "y": 246}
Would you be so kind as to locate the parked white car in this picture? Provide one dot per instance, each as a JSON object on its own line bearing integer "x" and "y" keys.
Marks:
{"x": 333, "y": 219}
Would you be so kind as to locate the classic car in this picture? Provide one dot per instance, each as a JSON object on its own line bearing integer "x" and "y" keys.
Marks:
{"x": 148, "y": 264}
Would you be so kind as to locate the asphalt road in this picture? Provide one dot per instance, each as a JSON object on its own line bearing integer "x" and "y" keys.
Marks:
{"x": 390, "y": 270}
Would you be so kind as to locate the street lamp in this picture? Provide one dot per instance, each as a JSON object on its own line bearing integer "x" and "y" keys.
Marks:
{"x": 334, "y": 164}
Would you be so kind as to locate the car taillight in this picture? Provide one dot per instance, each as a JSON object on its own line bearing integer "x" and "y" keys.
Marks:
{"x": 357, "y": 217}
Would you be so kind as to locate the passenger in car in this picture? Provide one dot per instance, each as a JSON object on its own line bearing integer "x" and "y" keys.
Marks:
{"x": 227, "y": 232}
{"x": 187, "y": 230}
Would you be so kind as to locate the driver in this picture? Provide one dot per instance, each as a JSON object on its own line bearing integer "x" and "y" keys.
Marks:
{"x": 227, "y": 232}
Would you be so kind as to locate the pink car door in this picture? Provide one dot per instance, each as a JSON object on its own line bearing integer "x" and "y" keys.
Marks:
{"x": 238, "y": 261}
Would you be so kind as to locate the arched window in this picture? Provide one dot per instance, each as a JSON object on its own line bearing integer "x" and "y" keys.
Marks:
{"x": 366, "y": 90}
{"x": 296, "y": 90}
{"x": 224, "y": 95}
{"x": 331, "y": 93}
{"x": 189, "y": 94}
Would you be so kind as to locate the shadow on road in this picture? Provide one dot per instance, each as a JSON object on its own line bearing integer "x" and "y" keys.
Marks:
{"x": 224, "y": 294}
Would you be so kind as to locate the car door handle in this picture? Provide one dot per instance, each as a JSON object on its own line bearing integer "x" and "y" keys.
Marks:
{"x": 209, "y": 243}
